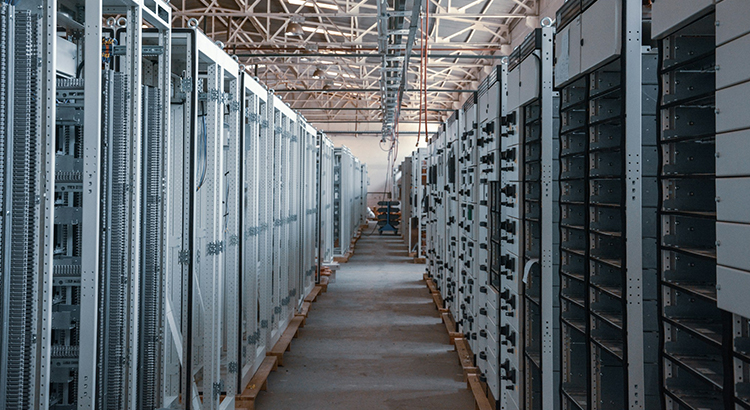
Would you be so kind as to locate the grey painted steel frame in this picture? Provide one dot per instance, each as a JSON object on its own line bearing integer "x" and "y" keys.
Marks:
{"x": 633, "y": 202}
{"x": 164, "y": 39}
{"x": 549, "y": 390}
{"x": 44, "y": 324}
{"x": 89, "y": 318}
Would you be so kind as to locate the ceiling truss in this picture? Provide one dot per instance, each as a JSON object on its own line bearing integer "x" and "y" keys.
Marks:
{"x": 363, "y": 48}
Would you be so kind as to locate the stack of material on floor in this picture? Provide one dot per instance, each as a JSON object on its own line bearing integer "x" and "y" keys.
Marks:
{"x": 389, "y": 216}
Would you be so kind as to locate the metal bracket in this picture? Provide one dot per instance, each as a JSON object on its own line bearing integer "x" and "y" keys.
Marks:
{"x": 146, "y": 50}
{"x": 232, "y": 367}
{"x": 218, "y": 388}
{"x": 264, "y": 324}
{"x": 186, "y": 85}
{"x": 184, "y": 257}
{"x": 234, "y": 240}
{"x": 215, "y": 248}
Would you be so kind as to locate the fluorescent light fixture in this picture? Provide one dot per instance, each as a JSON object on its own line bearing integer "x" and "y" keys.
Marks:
{"x": 331, "y": 73}
{"x": 313, "y": 4}
{"x": 324, "y": 31}
{"x": 326, "y": 62}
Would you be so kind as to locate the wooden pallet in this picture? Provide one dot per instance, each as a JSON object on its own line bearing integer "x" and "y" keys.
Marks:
{"x": 450, "y": 326}
{"x": 324, "y": 283}
{"x": 438, "y": 300}
{"x": 303, "y": 312}
{"x": 285, "y": 341}
{"x": 259, "y": 382}
{"x": 480, "y": 398}
{"x": 275, "y": 356}
{"x": 431, "y": 286}
{"x": 463, "y": 349}
{"x": 465, "y": 357}
{"x": 313, "y": 295}
{"x": 343, "y": 258}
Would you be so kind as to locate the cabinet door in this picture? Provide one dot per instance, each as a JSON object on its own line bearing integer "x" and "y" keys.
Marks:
{"x": 568, "y": 52}
{"x": 731, "y": 20}
{"x": 731, "y": 108}
{"x": 731, "y": 154}
{"x": 514, "y": 91}
{"x": 600, "y": 33}
{"x": 670, "y": 15}
{"x": 562, "y": 56}
{"x": 734, "y": 195}
{"x": 732, "y": 70}
{"x": 731, "y": 239}
{"x": 529, "y": 80}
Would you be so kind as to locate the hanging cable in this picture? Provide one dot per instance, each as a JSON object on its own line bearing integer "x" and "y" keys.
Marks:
{"x": 204, "y": 162}
{"x": 420, "y": 79}
{"x": 426, "y": 45}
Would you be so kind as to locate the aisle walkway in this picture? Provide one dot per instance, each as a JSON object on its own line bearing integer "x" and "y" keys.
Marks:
{"x": 374, "y": 341}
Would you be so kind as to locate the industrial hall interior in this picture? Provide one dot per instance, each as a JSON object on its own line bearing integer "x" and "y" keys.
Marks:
{"x": 374, "y": 205}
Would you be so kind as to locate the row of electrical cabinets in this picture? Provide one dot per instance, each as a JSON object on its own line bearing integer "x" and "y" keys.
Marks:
{"x": 163, "y": 213}
{"x": 584, "y": 221}
{"x": 411, "y": 182}
{"x": 350, "y": 183}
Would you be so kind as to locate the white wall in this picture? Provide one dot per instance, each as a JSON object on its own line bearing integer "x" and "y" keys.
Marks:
{"x": 367, "y": 149}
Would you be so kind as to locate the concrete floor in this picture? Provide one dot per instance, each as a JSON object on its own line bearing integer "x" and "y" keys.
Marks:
{"x": 374, "y": 341}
